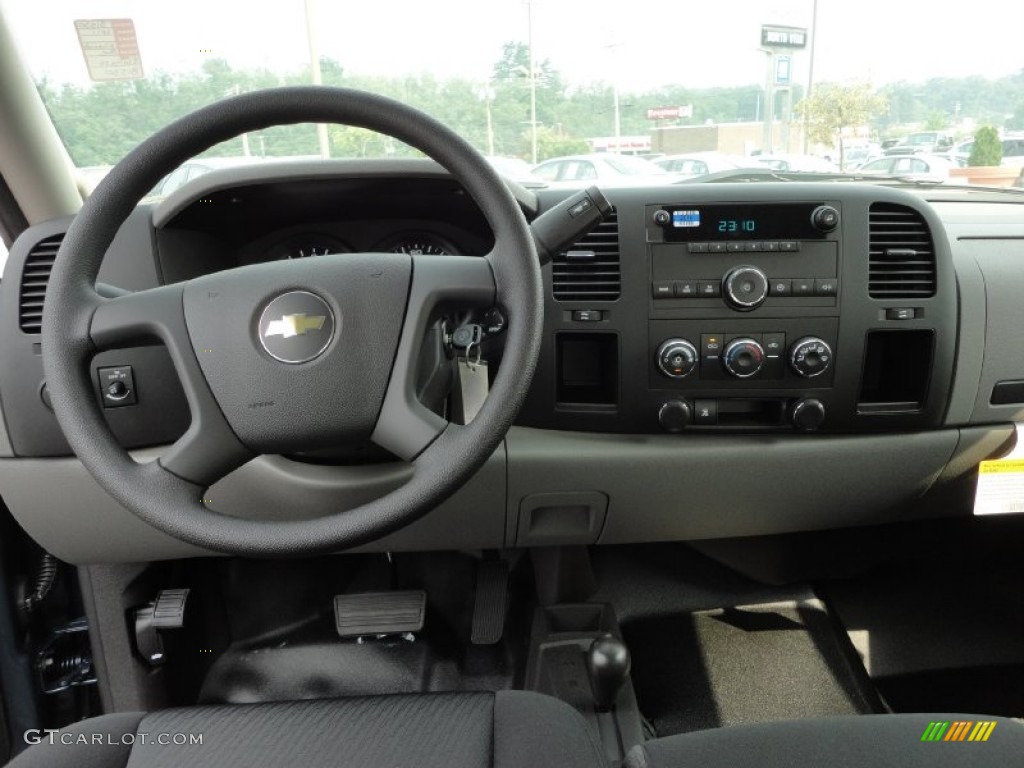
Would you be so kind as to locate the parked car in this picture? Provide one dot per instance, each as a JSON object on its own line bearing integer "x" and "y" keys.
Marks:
{"x": 921, "y": 167}
{"x": 702, "y": 163}
{"x": 928, "y": 142}
{"x": 606, "y": 168}
{"x": 797, "y": 163}
{"x": 517, "y": 170}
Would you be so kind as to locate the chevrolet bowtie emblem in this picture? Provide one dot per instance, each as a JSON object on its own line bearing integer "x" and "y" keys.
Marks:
{"x": 294, "y": 325}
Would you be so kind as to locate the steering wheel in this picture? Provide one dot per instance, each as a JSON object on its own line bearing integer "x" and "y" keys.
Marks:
{"x": 290, "y": 355}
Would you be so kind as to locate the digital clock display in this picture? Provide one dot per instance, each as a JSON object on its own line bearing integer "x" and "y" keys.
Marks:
{"x": 741, "y": 221}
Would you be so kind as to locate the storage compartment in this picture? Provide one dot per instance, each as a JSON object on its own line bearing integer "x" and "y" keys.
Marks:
{"x": 897, "y": 368}
{"x": 588, "y": 368}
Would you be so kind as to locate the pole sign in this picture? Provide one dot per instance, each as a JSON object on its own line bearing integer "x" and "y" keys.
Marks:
{"x": 670, "y": 113}
{"x": 774, "y": 36}
{"x": 783, "y": 70}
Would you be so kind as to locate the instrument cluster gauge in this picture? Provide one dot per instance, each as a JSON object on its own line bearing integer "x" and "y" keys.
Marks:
{"x": 304, "y": 245}
{"x": 418, "y": 244}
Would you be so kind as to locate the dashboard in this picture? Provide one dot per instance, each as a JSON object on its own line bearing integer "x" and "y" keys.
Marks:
{"x": 719, "y": 359}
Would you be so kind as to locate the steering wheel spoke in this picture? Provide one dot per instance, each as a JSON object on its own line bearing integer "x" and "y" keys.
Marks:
{"x": 209, "y": 448}
{"x": 405, "y": 426}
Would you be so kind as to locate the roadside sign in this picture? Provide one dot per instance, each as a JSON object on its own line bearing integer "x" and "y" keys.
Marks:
{"x": 669, "y": 113}
{"x": 111, "y": 49}
{"x": 783, "y": 68}
{"x": 774, "y": 36}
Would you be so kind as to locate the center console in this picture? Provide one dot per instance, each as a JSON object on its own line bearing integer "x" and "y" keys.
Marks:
{"x": 724, "y": 308}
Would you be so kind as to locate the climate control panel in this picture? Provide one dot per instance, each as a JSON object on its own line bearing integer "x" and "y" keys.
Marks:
{"x": 742, "y": 354}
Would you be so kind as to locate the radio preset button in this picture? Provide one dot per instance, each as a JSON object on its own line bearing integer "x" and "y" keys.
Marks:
{"x": 734, "y": 247}
{"x": 743, "y": 358}
{"x": 716, "y": 247}
{"x": 789, "y": 245}
{"x": 698, "y": 248}
{"x": 770, "y": 245}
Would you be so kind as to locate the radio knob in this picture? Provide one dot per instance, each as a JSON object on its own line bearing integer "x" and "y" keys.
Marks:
{"x": 677, "y": 358}
{"x": 745, "y": 288}
{"x": 743, "y": 358}
{"x": 810, "y": 357}
{"x": 807, "y": 414}
{"x": 662, "y": 217}
{"x": 674, "y": 415}
{"x": 825, "y": 218}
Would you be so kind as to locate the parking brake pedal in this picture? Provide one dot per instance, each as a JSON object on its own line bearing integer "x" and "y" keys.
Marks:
{"x": 491, "y": 602}
{"x": 379, "y": 613}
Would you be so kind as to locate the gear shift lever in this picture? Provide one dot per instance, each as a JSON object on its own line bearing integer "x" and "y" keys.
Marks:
{"x": 608, "y": 664}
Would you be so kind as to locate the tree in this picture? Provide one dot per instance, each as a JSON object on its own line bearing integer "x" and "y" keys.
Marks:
{"x": 987, "y": 149}
{"x": 833, "y": 108}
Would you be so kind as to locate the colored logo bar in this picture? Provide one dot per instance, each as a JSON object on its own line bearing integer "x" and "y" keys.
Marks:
{"x": 958, "y": 730}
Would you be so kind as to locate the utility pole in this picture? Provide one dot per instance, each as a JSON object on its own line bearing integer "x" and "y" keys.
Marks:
{"x": 314, "y": 66}
{"x": 533, "y": 81}
{"x": 612, "y": 49}
{"x": 767, "y": 138}
{"x": 810, "y": 72}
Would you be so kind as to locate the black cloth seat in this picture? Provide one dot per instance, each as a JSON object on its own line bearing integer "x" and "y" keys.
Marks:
{"x": 510, "y": 729}
{"x": 859, "y": 741}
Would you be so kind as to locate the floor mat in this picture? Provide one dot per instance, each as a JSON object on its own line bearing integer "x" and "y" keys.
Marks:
{"x": 757, "y": 663}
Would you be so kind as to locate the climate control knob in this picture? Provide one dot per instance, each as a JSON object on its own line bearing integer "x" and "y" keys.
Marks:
{"x": 745, "y": 288}
{"x": 677, "y": 358}
{"x": 674, "y": 415}
{"x": 743, "y": 358}
{"x": 810, "y": 357}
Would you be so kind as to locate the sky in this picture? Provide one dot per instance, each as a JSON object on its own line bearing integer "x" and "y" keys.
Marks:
{"x": 636, "y": 44}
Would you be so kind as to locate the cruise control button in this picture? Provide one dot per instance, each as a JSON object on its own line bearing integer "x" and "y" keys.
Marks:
{"x": 661, "y": 290}
{"x": 803, "y": 287}
{"x": 826, "y": 286}
{"x": 709, "y": 288}
{"x": 686, "y": 289}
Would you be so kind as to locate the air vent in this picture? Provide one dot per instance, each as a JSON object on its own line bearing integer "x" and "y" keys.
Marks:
{"x": 902, "y": 255}
{"x": 589, "y": 271}
{"x": 34, "y": 278}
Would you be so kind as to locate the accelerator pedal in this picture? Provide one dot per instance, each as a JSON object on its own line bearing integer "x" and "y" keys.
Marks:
{"x": 490, "y": 603}
{"x": 379, "y": 613}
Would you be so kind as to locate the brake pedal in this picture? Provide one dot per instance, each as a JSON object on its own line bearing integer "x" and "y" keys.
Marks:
{"x": 491, "y": 602}
{"x": 379, "y": 613}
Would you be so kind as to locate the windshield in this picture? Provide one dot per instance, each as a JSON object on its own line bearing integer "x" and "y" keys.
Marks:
{"x": 833, "y": 85}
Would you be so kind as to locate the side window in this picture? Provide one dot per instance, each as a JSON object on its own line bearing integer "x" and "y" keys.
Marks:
{"x": 698, "y": 168}
{"x": 586, "y": 171}
{"x": 1013, "y": 147}
{"x": 903, "y": 165}
{"x": 3, "y": 256}
{"x": 918, "y": 165}
{"x": 548, "y": 171}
